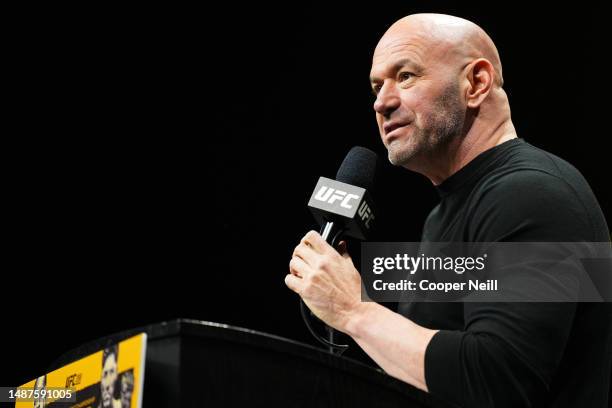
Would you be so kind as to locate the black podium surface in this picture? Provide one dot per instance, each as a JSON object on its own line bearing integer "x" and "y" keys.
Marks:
{"x": 193, "y": 363}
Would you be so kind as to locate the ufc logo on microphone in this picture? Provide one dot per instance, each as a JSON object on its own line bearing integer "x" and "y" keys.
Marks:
{"x": 332, "y": 195}
{"x": 365, "y": 213}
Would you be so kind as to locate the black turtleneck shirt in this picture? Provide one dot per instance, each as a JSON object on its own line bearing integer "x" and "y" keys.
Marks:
{"x": 517, "y": 354}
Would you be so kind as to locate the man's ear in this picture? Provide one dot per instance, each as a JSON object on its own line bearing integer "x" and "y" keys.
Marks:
{"x": 481, "y": 77}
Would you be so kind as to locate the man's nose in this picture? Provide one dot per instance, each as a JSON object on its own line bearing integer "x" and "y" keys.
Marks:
{"x": 387, "y": 100}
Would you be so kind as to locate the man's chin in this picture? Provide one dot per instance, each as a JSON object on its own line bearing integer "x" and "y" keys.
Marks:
{"x": 403, "y": 152}
{"x": 400, "y": 157}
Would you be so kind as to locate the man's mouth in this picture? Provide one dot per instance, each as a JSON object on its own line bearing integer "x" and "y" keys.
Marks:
{"x": 392, "y": 128}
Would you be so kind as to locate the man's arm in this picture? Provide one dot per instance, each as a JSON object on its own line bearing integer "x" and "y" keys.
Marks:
{"x": 394, "y": 342}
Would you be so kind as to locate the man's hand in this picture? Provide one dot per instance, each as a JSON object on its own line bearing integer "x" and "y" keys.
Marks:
{"x": 327, "y": 281}
{"x": 330, "y": 286}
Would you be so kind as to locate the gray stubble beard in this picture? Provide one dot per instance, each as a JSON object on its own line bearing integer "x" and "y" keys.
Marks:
{"x": 441, "y": 128}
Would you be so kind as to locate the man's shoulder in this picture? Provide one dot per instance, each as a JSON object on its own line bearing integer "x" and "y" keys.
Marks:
{"x": 527, "y": 167}
{"x": 515, "y": 184}
{"x": 531, "y": 198}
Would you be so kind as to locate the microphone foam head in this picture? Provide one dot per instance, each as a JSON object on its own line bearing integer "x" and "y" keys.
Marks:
{"x": 359, "y": 168}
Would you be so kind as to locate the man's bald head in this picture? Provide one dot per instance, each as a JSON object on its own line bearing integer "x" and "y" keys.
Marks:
{"x": 444, "y": 37}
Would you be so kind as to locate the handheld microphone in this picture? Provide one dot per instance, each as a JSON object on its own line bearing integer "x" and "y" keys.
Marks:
{"x": 344, "y": 208}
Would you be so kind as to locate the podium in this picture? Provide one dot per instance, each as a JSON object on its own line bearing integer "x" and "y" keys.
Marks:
{"x": 193, "y": 363}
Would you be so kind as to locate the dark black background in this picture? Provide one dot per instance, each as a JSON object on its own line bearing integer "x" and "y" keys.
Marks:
{"x": 164, "y": 164}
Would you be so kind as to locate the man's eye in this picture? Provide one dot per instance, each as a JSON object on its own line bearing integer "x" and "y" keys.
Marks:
{"x": 404, "y": 76}
{"x": 376, "y": 89}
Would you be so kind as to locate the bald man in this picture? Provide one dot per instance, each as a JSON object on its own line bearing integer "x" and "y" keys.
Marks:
{"x": 442, "y": 111}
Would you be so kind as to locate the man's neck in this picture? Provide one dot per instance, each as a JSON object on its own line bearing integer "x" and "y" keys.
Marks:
{"x": 463, "y": 150}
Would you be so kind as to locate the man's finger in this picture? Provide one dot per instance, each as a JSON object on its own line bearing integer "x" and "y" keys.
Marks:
{"x": 314, "y": 240}
{"x": 298, "y": 267}
{"x": 294, "y": 283}
{"x": 305, "y": 252}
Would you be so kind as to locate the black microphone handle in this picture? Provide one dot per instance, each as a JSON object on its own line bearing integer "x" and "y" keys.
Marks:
{"x": 332, "y": 233}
